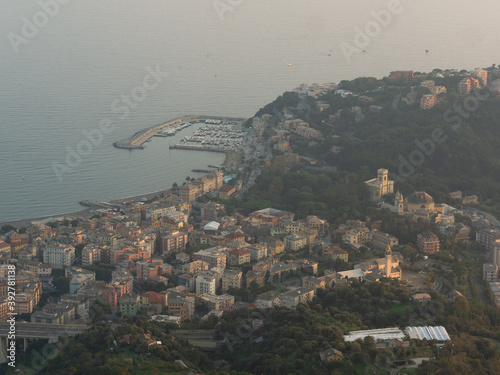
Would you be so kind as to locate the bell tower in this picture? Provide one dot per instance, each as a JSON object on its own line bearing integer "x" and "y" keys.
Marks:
{"x": 388, "y": 261}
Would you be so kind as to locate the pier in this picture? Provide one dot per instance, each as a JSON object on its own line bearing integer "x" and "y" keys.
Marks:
{"x": 136, "y": 142}
{"x": 198, "y": 148}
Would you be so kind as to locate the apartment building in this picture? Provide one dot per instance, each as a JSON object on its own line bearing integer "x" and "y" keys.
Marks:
{"x": 58, "y": 255}
{"x": 231, "y": 278}
{"x": 214, "y": 302}
{"x": 428, "y": 101}
{"x": 174, "y": 242}
{"x": 205, "y": 284}
{"x": 380, "y": 240}
{"x": 238, "y": 257}
{"x": 215, "y": 257}
{"x": 428, "y": 242}
{"x": 114, "y": 291}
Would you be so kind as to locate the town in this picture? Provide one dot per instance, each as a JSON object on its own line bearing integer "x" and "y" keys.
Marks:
{"x": 190, "y": 256}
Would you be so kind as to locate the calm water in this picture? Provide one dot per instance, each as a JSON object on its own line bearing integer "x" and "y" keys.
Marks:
{"x": 67, "y": 75}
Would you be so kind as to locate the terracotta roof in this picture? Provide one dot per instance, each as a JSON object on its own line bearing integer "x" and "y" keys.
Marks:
{"x": 420, "y": 197}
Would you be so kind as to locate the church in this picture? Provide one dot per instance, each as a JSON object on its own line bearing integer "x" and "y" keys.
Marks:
{"x": 382, "y": 267}
{"x": 418, "y": 204}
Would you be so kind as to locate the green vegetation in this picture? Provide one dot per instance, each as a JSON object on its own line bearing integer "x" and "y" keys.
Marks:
{"x": 102, "y": 271}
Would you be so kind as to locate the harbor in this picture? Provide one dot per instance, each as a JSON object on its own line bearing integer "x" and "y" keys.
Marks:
{"x": 216, "y": 135}
{"x": 170, "y": 128}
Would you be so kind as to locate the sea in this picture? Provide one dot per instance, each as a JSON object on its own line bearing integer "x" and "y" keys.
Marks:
{"x": 76, "y": 74}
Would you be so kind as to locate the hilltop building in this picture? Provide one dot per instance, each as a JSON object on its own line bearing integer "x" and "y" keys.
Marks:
{"x": 381, "y": 185}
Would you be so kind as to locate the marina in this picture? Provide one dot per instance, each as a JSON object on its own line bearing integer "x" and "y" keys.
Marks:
{"x": 170, "y": 128}
{"x": 216, "y": 135}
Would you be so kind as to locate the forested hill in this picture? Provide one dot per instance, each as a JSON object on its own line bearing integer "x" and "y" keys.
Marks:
{"x": 452, "y": 146}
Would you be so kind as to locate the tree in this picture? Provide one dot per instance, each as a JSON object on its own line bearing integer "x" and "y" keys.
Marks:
{"x": 6, "y": 228}
{"x": 62, "y": 284}
{"x": 97, "y": 308}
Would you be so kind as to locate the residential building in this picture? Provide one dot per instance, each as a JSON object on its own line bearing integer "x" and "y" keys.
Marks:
{"x": 331, "y": 355}
{"x": 257, "y": 252}
{"x": 490, "y": 272}
{"x": 357, "y": 236}
{"x": 438, "y": 90}
{"x": 151, "y": 268}
{"x": 275, "y": 246}
{"x": 4, "y": 306}
{"x": 78, "y": 278}
{"x": 227, "y": 192}
{"x": 268, "y": 299}
{"x": 238, "y": 257}
{"x": 428, "y": 242}
{"x": 189, "y": 192}
{"x": 428, "y": 84}
{"x": 381, "y": 185}
{"x": 481, "y": 75}
{"x": 205, "y": 284}
{"x": 181, "y": 305}
{"x": 495, "y": 292}
{"x": 258, "y": 276}
{"x": 214, "y": 302}
{"x": 90, "y": 255}
{"x": 129, "y": 305}
{"x": 47, "y": 317}
{"x": 338, "y": 253}
{"x": 314, "y": 222}
{"x": 381, "y": 240}
{"x": 404, "y": 75}
{"x": 194, "y": 267}
{"x": 27, "y": 297}
{"x": 295, "y": 242}
{"x": 488, "y": 239}
{"x": 313, "y": 282}
{"x": 300, "y": 295}
{"x": 114, "y": 291}
{"x": 428, "y": 101}
{"x": 231, "y": 278}
{"x": 59, "y": 255}
{"x": 215, "y": 257}
{"x": 210, "y": 211}
{"x": 467, "y": 85}
{"x": 174, "y": 242}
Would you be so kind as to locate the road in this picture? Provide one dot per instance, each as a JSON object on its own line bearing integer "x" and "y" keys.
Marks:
{"x": 42, "y": 331}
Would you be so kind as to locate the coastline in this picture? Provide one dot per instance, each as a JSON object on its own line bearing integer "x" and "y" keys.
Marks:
{"x": 231, "y": 158}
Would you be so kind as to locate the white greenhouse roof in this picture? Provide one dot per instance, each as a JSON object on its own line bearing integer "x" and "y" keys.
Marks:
{"x": 437, "y": 333}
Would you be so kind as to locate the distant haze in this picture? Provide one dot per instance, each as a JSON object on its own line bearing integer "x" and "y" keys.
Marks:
{"x": 66, "y": 76}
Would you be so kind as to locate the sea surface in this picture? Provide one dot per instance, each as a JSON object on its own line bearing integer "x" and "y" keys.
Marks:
{"x": 64, "y": 73}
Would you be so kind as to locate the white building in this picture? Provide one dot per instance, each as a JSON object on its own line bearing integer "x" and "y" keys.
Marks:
{"x": 205, "y": 284}
{"x": 59, "y": 255}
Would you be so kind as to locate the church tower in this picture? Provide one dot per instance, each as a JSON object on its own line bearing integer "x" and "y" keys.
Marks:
{"x": 399, "y": 203}
{"x": 388, "y": 261}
